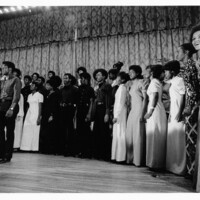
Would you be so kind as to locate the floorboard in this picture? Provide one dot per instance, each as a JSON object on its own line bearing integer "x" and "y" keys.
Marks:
{"x": 37, "y": 173}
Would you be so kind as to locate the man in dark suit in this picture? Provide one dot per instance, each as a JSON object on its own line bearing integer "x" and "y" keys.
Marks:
{"x": 69, "y": 94}
{"x": 9, "y": 98}
{"x": 102, "y": 137}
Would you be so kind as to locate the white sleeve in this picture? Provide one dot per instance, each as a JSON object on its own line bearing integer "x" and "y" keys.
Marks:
{"x": 21, "y": 106}
{"x": 28, "y": 100}
{"x": 155, "y": 86}
{"x": 181, "y": 86}
{"x": 40, "y": 98}
{"x": 121, "y": 100}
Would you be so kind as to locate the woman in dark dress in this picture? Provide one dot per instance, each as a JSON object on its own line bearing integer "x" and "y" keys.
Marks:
{"x": 83, "y": 116}
{"x": 195, "y": 40}
{"x": 50, "y": 119}
{"x": 101, "y": 133}
{"x": 190, "y": 76}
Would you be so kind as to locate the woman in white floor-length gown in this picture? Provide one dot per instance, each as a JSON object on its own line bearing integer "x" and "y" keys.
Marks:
{"x": 156, "y": 126}
{"x": 19, "y": 123}
{"x": 135, "y": 132}
{"x": 176, "y": 144}
{"x": 31, "y": 129}
{"x": 119, "y": 120}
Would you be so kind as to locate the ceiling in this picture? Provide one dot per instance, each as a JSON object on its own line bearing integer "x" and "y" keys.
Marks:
{"x": 8, "y": 12}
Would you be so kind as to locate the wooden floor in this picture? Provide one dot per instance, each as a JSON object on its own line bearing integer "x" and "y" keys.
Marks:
{"x": 38, "y": 173}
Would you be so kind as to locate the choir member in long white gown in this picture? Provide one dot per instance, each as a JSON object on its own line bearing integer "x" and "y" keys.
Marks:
{"x": 176, "y": 145}
{"x": 135, "y": 132}
{"x": 156, "y": 126}
{"x": 19, "y": 123}
{"x": 31, "y": 129}
{"x": 119, "y": 120}
{"x": 20, "y": 115}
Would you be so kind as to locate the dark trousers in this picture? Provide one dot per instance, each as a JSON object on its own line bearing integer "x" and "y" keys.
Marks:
{"x": 83, "y": 131}
{"x": 101, "y": 135}
{"x": 48, "y": 136}
{"x": 7, "y": 138}
{"x": 191, "y": 127}
{"x": 67, "y": 133}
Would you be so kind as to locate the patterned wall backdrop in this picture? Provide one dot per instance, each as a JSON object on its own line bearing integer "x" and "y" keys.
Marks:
{"x": 105, "y": 35}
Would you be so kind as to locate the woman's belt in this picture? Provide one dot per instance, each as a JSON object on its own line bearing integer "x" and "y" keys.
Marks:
{"x": 67, "y": 104}
{"x": 100, "y": 103}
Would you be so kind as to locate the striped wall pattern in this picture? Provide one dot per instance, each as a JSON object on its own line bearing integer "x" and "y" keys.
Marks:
{"x": 105, "y": 35}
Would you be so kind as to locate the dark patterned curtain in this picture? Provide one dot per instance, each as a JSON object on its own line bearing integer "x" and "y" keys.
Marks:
{"x": 68, "y": 37}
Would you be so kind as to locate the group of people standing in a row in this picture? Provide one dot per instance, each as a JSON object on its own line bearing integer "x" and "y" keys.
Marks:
{"x": 145, "y": 120}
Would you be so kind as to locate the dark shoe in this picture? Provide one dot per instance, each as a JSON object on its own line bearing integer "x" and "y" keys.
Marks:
{"x": 67, "y": 154}
{"x": 154, "y": 175}
{"x": 80, "y": 155}
{"x": 120, "y": 162}
{"x": 157, "y": 170}
{"x": 188, "y": 176}
{"x": 15, "y": 149}
{"x": 84, "y": 155}
{"x": 5, "y": 160}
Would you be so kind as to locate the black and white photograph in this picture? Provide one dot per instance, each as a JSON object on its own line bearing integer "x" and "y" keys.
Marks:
{"x": 99, "y": 99}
